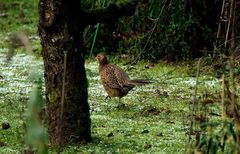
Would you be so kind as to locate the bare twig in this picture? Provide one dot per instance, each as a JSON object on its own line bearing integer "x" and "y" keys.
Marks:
{"x": 229, "y": 40}
{"x": 223, "y": 96}
{"x": 16, "y": 40}
{"x": 194, "y": 101}
{"x": 234, "y": 107}
{"x": 219, "y": 24}
{"x": 151, "y": 31}
{"x": 229, "y": 23}
{"x": 233, "y": 25}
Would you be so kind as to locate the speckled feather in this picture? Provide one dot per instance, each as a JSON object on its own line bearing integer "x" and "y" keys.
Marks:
{"x": 115, "y": 80}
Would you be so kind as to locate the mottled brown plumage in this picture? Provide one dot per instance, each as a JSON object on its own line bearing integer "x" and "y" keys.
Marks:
{"x": 115, "y": 80}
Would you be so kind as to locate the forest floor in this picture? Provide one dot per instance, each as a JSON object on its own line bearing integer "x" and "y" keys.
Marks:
{"x": 154, "y": 119}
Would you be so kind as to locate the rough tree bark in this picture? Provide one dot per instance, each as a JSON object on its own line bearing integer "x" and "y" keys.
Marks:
{"x": 61, "y": 26}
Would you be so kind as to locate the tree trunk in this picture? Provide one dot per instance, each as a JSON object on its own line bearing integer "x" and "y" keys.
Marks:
{"x": 61, "y": 26}
{"x": 61, "y": 32}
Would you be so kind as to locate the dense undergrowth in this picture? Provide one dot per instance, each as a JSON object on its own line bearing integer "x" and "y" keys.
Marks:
{"x": 174, "y": 30}
{"x": 155, "y": 119}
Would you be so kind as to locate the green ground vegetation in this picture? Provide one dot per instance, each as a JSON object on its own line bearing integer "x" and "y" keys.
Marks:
{"x": 154, "y": 118}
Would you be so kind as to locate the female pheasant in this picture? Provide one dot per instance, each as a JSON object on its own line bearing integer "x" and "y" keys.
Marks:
{"x": 115, "y": 80}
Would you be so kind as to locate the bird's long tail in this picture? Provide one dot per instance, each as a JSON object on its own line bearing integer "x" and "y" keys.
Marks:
{"x": 139, "y": 82}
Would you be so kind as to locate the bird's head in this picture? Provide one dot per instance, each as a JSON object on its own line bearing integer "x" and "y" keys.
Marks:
{"x": 101, "y": 58}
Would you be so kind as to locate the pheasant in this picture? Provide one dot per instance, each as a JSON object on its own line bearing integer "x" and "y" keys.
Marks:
{"x": 115, "y": 80}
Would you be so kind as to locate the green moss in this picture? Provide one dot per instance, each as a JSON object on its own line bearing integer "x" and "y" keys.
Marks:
{"x": 53, "y": 97}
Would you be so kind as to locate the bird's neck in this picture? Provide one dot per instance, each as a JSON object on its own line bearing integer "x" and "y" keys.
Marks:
{"x": 102, "y": 64}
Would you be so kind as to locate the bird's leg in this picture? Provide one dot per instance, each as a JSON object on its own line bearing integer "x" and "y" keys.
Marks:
{"x": 120, "y": 104}
{"x": 107, "y": 98}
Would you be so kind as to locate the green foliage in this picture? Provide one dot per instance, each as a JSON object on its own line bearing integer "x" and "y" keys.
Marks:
{"x": 36, "y": 137}
{"x": 19, "y": 16}
{"x": 14, "y": 100}
{"x": 178, "y": 33}
{"x": 217, "y": 135}
{"x": 27, "y": 129}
